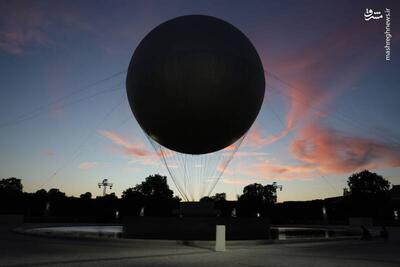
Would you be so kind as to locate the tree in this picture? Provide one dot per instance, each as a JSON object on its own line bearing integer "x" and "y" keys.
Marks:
{"x": 11, "y": 196}
{"x": 206, "y": 199}
{"x": 256, "y": 199}
{"x": 219, "y": 197}
{"x": 41, "y": 193}
{"x": 132, "y": 202}
{"x": 55, "y": 193}
{"x": 86, "y": 195}
{"x": 266, "y": 194}
{"x": 11, "y": 185}
{"x": 269, "y": 193}
{"x": 130, "y": 193}
{"x": 216, "y": 198}
{"x": 368, "y": 195}
{"x": 153, "y": 194}
{"x": 107, "y": 206}
{"x": 110, "y": 196}
{"x": 367, "y": 183}
{"x": 155, "y": 186}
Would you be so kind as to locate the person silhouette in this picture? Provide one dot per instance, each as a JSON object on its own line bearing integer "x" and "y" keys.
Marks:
{"x": 384, "y": 233}
{"x": 366, "y": 235}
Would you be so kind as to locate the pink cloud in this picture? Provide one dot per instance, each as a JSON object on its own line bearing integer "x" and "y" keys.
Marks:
{"x": 276, "y": 171}
{"x": 250, "y": 154}
{"x": 125, "y": 146}
{"x": 150, "y": 161}
{"x": 23, "y": 23}
{"x": 256, "y": 138}
{"x": 26, "y": 24}
{"x": 318, "y": 150}
{"x": 88, "y": 165}
{"x": 238, "y": 181}
{"x": 226, "y": 170}
{"x": 264, "y": 169}
{"x": 48, "y": 152}
{"x": 231, "y": 147}
{"x": 331, "y": 151}
{"x": 308, "y": 72}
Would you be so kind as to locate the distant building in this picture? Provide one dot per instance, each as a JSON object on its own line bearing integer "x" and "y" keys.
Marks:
{"x": 395, "y": 193}
{"x": 395, "y": 196}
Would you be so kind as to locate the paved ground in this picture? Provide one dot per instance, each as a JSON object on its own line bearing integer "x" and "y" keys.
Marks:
{"x": 20, "y": 250}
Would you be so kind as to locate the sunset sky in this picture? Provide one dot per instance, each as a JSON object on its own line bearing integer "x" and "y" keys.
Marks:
{"x": 331, "y": 106}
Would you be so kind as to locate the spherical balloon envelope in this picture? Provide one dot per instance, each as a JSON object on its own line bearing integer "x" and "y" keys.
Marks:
{"x": 195, "y": 84}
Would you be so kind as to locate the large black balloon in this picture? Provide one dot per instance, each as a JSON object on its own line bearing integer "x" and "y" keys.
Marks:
{"x": 195, "y": 84}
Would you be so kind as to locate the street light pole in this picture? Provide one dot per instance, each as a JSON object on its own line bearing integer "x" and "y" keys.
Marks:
{"x": 105, "y": 184}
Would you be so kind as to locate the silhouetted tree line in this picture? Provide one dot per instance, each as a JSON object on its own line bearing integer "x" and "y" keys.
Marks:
{"x": 153, "y": 195}
{"x": 367, "y": 196}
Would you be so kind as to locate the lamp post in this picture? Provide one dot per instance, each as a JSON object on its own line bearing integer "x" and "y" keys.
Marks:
{"x": 105, "y": 184}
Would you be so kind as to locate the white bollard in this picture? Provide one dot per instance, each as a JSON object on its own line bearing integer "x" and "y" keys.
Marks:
{"x": 220, "y": 238}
